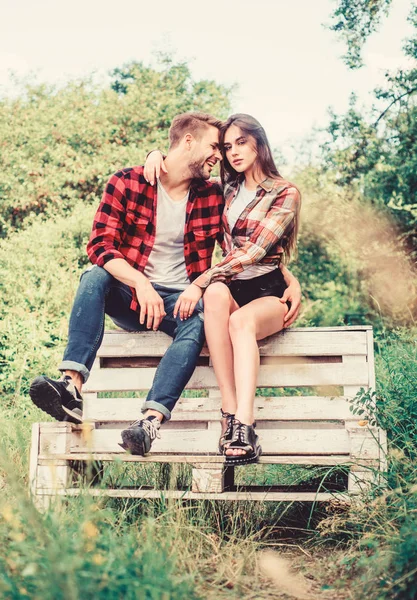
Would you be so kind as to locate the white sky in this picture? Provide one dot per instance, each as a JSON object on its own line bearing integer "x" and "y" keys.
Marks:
{"x": 286, "y": 64}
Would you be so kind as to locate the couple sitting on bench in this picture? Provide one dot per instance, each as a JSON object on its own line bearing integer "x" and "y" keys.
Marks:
{"x": 151, "y": 247}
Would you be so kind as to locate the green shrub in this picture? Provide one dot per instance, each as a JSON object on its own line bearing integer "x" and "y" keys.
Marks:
{"x": 60, "y": 146}
{"x": 384, "y": 529}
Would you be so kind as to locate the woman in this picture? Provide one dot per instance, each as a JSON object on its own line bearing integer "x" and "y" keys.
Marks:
{"x": 242, "y": 293}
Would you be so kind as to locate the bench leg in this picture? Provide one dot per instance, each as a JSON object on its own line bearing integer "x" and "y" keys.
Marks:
{"x": 46, "y": 479}
{"x": 34, "y": 483}
{"x": 367, "y": 454}
{"x": 362, "y": 481}
{"x": 229, "y": 478}
{"x": 208, "y": 478}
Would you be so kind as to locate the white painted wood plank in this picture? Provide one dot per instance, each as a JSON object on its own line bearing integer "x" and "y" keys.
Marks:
{"x": 318, "y": 460}
{"x": 364, "y": 441}
{"x": 371, "y": 358}
{"x": 352, "y": 390}
{"x": 360, "y": 482}
{"x": 262, "y": 496}
{"x": 288, "y": 408}
{"x": 54, "y": 437}
{"x": 208, "y": 480}
{"x": 295, "y": 375}
{"x": 53, "y": 476}
{"x": 383, "y": 443}
{"x": 292, "y": 342}
{"x": 273, "y": 441}
{"x": 33, "y": 459}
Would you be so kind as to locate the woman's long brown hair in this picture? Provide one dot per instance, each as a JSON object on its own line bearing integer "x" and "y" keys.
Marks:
{"x": 264, "y": 165}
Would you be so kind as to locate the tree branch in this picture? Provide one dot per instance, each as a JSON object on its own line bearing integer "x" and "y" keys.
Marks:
{"x": 382, "y": 115}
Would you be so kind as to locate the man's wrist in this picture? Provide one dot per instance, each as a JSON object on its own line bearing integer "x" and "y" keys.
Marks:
{"x": 141, "y": 281}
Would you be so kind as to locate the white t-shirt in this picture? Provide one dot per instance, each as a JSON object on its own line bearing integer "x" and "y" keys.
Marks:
{"x": 166, "y": 262}
{"x": 238, "y": 205}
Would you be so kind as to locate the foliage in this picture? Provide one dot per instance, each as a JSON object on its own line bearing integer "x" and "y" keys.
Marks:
{"x": 376, "y": 151}
{"x": 60, "y": 146}
{"x": 347, "y": 253}
{"x": 94, "y": 553}
{"x": 384, "y": 562}
{"x": 40, "y": 267}
{"x": 381, "y": 162}
{"x": 355, "y": 22}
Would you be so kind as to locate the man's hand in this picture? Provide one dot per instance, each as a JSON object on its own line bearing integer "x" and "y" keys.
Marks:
{"x": 153, "y": 166}
{"x": 293, "y": 295}
{"x": 187, "y": 301}
{"x": 151, "y": 305}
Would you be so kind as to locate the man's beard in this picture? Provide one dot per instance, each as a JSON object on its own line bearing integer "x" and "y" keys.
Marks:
{"x": 197, "y": 170}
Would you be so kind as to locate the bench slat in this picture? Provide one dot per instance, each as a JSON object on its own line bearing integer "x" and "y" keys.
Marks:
{"x": 295, "y": 375}
{"x": 182, "y": 495}
{"x": 318, "y": 460}
{"x": 288, "y": 408}
{"x": 293, "y": 342}
{"x": 273, "y": 441}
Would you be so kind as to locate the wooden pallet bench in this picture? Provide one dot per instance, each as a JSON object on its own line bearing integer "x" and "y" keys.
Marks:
{"x": 333, "y": 363}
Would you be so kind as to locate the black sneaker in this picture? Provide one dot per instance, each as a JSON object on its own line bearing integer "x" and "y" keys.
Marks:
{"x": 138, "y": 438}
{"x": 59, "y": 398}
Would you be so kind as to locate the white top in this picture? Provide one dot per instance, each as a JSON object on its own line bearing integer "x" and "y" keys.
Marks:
{"x": 238, "y": 205}
{"x": 166, "y": 262}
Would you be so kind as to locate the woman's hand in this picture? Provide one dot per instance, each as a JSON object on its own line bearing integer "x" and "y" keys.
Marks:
{"x": 293, "y": 295}
{"x": 187, "y": 301}
{"x": 154, "y": 164}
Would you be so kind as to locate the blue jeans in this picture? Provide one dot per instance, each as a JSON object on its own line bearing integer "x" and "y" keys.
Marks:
{"x": 99, "y": 293}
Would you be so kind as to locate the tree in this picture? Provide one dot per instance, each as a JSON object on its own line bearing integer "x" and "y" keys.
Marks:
{"x": 355, "y": 21}
{"x": 377, "y": 150}
{"x": 60, "y": 145}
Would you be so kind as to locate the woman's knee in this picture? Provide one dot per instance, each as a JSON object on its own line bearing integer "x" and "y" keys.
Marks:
{"x": 239, "y": 323}
{"x": 216, "y": 297}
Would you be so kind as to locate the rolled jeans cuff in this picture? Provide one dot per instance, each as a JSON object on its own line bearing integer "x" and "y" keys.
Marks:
{"x": 151, "y": 404}
{"x": 70, "y": 365}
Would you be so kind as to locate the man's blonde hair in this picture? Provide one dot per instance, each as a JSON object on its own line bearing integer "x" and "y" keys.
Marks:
{"x": 193, "y": 122}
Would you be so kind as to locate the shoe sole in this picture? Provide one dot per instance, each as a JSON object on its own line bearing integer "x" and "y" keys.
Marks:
{"x": 243, "y": 459}
{"x": 134, "y": 442}
{"x": 45, "y": 397}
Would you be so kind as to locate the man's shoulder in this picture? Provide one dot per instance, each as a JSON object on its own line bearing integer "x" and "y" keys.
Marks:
{"x": 131, "y": 173}
{"x": 208, "y": 188}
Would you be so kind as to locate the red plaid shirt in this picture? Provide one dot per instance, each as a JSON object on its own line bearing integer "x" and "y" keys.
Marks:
{"x": 261, "y": 232}
{"x": 125, "y": 223}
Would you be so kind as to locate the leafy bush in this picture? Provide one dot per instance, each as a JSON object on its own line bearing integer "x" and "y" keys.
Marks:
{"x": 384, "y": 529}
{"x": 41, "y": 267}
{"x": 60, "y": 146}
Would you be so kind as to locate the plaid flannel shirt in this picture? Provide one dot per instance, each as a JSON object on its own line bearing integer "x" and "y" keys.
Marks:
{"x": 125, "y": 223}
{"x": 261, "y": 232}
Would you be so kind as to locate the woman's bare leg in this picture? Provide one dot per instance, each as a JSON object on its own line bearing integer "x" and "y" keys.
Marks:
{"x": 254, "y": 321}
{"x": 218, "y": 306}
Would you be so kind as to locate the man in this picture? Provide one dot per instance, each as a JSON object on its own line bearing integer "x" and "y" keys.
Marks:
{"x": 148, "y": 243}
